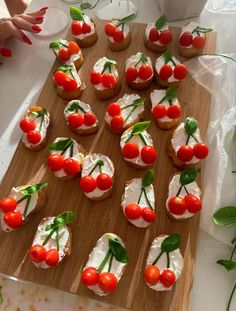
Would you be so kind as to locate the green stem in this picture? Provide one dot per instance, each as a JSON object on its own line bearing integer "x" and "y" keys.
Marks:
{"x": 188, "y": 139}
{"x": 92, "y": 170}
{"x": 158, "y": 257}
{"x": 143, "y": 139}
{"x": 194, "y": 138}
{"x": 180, "y": 188}
{"x": 128, "y": 139}
{"x": 131, "y": 111}
{"x": 230, "y": 298}
{"x": 63, "y": 151}
{"x": 110, "y": 263}
{"x": 71, "y": 149}
{"x": 173, "y": 62}
{"x": 146, "y": 197}
{"x": 72, "y": 74}
{"x": 103, "y": 263}
{"x": 22, "y": 199}
{"x": 186, "y": 190}
{"x": 27, "y": 206}
{"x": 141, "y": 192}
{"x": 232, "y": 254}
{"x": 41, "y": 123}
{"x": 57, "y": 239}
{"x": 49, "y": 236}
{"x": 168, "y": 260}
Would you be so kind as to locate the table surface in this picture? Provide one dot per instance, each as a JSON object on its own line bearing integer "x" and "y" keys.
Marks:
{"x": 212, "y": 284}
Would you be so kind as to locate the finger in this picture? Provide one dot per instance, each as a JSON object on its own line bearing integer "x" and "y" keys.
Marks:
{"x": 24, "y": 25}
{"x": 10, "y": 30}
{"x": 32, "y": 19}
{"x": 40, "y": 12}
{"x": 5, "y": 52}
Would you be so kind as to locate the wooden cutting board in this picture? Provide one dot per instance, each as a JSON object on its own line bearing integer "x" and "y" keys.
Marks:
{"x": 95, "y": 219}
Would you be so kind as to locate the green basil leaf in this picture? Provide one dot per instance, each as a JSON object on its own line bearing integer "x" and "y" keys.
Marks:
{"x": 74, "y": 107}
{"x": 188, "y": 176}
{"x": 167, "y": 56}
{"x": 202, "y": 30}
{"x": 64, "y": 219}
{"x": 29, "y": 190}
{"x": 227, "y": 264}
{"x": 190, "y": 125}
{"x": 118, "y": 250}
{"x": 126, "y": 19}
{"x": 160, "y": 23}
{"x": 65, "y": 68}
{"x": 171, "y": 243}
{"x": 171, "y": 93}
{"x": 143, "y": 59}
{"x": 39, "y": 113}
{"x": 138, "y": 102}
{"x": 148, "y": 178}
{"x": 108, "y": 64}
{"x": 85, "y": 6}
{"x": 100, "y": 163}
{"x": 60, "y": 145}
{"x": 140, "y": 127}
{"x": 76, "y": 14}
{"x": 225, "y": 216}
{"x": 57, "y": 44}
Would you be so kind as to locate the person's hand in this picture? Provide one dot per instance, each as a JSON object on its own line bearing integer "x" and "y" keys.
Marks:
{"x": 13, "y": 26}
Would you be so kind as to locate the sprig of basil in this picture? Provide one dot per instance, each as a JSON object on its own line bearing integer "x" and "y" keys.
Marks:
{"x": 108, "y": 64}
{"x": 225, "y": 216}
{"x": 118, "y": 250}
{"x": 126, "y": 19}
{"x": 60, "y": 145}
{"x": 140, "y": 127}
{"x": 61, "y": 220}
{"x": 29, "y": 190}
{"x": 65, "y": 68}
{"x": 160, "y": 23}
{"x": 138, "y": 102}
{"x": 167, "y": 56}
{"x": 227, "y": 264}
{"x": 76, "y": 14}
{"x": 74, "y": 107}
{"x": 57, "y": 44}
{"x": 190, "y": 125}
{"x": 171, "y": 243}
{"x": 148, "y": 178}
{"x": 39, "y": 113}
{"x": 188, "y": 176}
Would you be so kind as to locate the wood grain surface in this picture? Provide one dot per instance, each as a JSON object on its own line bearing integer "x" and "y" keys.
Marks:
{"x": 96, "y": 218}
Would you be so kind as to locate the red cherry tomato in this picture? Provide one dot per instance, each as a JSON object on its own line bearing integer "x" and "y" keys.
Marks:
{"x": 37, "y": 253}
{"x": 60, "y": 78}
{"x": 131, "y": 74}
{"x": 148, "y": 214}
{"x": 8, "y": 204}
{"x": 52, "y": 257}
{"x": 13, "y": 219}
{"x": 88, "y": 184}
{"x": 133, "y": 211}
{"x": 173, "y": 112}
{"x": 117, "y": 123}
{"x": 95, "y": 77}
{"x": 152, "y": 274}
{"x": 199, "y": 42}
{"x": 108, "y": 80}
{"x": 145, "y": 72}
{"x": 64, "y": 54}
{"x": 33, "y": 137}
{"x": 75, "y": 120}
{"x": 159, "y": 111}
{"x": 73, "y": 48}
{"x": 89, "y": 118}
{"x": 186, "y": 39}
{"x": 27, "y": 125}
{"x": 89, "y": 276}
{"x": 109, "y": 29}
{"x": 153, "y": 35}
{"x": 76, "y": 28}
{"x": 107, "y": 281}
{"x": 148, "y": 154}
{"x": 200, "y": 151}
{"x": 118, "y": 35}
{"x": 114, "y": 109}
{"x": 180, "y": 72}
{"x": 185, "y": 153}
{"x": 177, "y": 205}
{"x": 165, "y": 37}
{"x": 55, "y": 162}
{"x": 130, "y": 150}
{"x": 193, "y": 204}
{"x": 167, "y": 278}
{"x": 104, "y": 181}
{"x": 165, "y": 72}
{"x": 71, "y": 166}
{"x": 86, "y": 28}
{"x": 70, "y": 85}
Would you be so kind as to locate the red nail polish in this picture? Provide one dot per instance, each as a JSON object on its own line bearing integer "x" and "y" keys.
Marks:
{"x": 5, "y": 52}
{"x": 39, "y": 18}
{"x": 36, "y": 28}
{"x": 26, "y": 39}
{"x": 44, "y": 9}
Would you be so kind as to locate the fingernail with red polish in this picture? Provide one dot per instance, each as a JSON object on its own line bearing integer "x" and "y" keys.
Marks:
{"x": 44, "y": 9}
{"x": 5, "y": 52}
{"x": 26, "y": 39}
{"x": 39, "y": 18}
{"x": 36, "y": 28}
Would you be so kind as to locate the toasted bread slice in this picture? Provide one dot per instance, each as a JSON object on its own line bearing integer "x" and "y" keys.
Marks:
{"x": 153, "y": 46}
{"x": 88, "y": 40}
{"x": 122, "y": 45}
{"x": 108, "y": 93}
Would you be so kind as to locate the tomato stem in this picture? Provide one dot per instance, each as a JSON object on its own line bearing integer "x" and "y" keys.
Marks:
{"x": 188, "y": 139}
{"x": 100, "y": 164}
{"x": 49, "y": 236}
{"x": 158, "y": 257}
{"x": 103, "y": 263}
{"x": 71, "y": 149}
{"x": 57, "y": 238}
{"x": 27, "y": 205}
{"x": 130, "y": 113}
{"x": 186, "y": 190}
{"x": 142, "y": 138}
{"x": 110, "y": 263}
{"x": 141, "y": 192}
{"x": 146, "y": 197}
{"x": 22, "y": 199}
{"x": 66, "y": 147}
{"x": 168, "y": 259}
{"x": 180, "y": 188}
{"x": 194, "y": 138}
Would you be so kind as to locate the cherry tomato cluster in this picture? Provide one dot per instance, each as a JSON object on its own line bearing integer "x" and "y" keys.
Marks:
{"x": 76, "y": 120}
{"x": 131, "y": 151}
{"x": 160, "y": 111}
{"x": 112, "y": 31}
{"x": 133, "y": 211}
{"x": 64, "y": 54}
{"x": 144, "y": 72}
{"x": 106, "y": 281}
{"x": 186, "y": 153}
{"x": 152, "y": 276}
{"x": 102, "y": 182}
{"x": 107, "y": 79}
{"x": 28, "y": 126}
{"x": 179, "y": 72}
{"x": 38, "y": 253}
{"x": 78, "y": 29}
{"x": 187, "y": 39}
{"x": 56, "y": 162}
{"x": 12, "y": 218}
{"x": 179, "y": 205}
{"x": 68, "y": 84}
{"x": 117, "y": 121}
{"x": 163, "y": 36}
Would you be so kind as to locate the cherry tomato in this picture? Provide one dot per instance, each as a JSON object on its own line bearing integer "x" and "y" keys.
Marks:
{"x": 145, "y": 72}
{"x": 75, "y": 120}
{"x": 186, "y": 39}
{"x": 133, "y": 211}
{"x": 27, "y": 125}
{"x": 159, "y": 111}
{"x": 177, "y": 205}
{"x": 148, "y": 214}
{"x": 180, "y": 72}
{"x": 89, "y": 276}
{"x": 37, "y": 253}
{"x": 130, "y": 150}
{"x": 73, "y": 48}
{"x": 117, "y": 123}
{"x": 8, "y": 204}
{"x": 71, "y": 166}
{"x": 114, "y": 109}
{"x": 154, "y": 35}
{"x": 165, "y": 37}
{"x": 167, "y": 278}
{"x": 109, "y": 29}
{"x": 95, "y": 77}
{"x": 86, "y": 28}
{"x": 108, "y": 80}
{"x": 200, "y": 151}
{"x": 64, "y": 54}
{"x": 173, "y": 112}
{"x": 89, "y": 118}
{"x": 13, "y": 219}
{"x": 107, "y": 281}
{"x": 199, "y": 42}
{"x": 118, "y": 35}
{"x": 55, "y": 162}
{"x": 76, "y": 28}
{"x": 131, "y": 74}
{"x": 60, "y": 78}
{"x": 88, "y": 184}
{"x": 33, "y": 137}
{"x": 152, "y": 274}
{"x": 104, "y": 181}
{"x": 70, "y": 85}
{"x": 148, "y": 154}
{"x": 165, "y": 72}
{"x": 193, "y": 204}
{"x": 52, "y": 257}
{"x": 185, "y": 153}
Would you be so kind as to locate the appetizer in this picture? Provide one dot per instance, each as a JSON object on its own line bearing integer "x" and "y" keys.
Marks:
{"x": 67, "y": 82}
{"x": 165, "y": 108}
{"x": 157, "y": 36}
{"x": 192, "y": 40}
{"x": 138, "y": 201}
{"x": 125, "y": 112}
{"x": 66, "y": 158}
{"x": 105, "y": 265}
{"x": 137, "y": 146}
{"x": 169, "y": 71}
{"x": 164, "y": 263}
{"x": 80, "y": 118}
{"x": 35, "y": 126}
{"x": 52, "y": 241}
{"x": 105, "y": 78}
{"x": 139, "y": 71}
{"x": 67, "y": 52}
{"x": 21, "y": 203}
{"x": 184, "y": 194}
{"x": 83, "y": 28}
{"x": 118, "y": 33}
{"x": 97, "y": 176}
{"x": 185, "y": 147}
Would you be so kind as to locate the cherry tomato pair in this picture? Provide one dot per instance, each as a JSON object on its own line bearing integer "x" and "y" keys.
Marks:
{"x": 131, "y": 151}
{"x": 186, "y": 153}
{"x": 28, "y": 126}
{"x": 144, "y": 72}
{"x": 106, "y": 79}
{"x": 166, "y": 71}
{"x": 12, "y": 218}
{"x": 152, "y": 276}
{"x": 89, "y": 183}
{"x": 64, "y": 54}
{"x": 186, "y": 39}
{"x": 160, "y": 111}
{"x": 76, "y": 120}
{"x": 38, "y": 253}
{"x": 179, "y": 205}
{"x": 163, "y": 36}
{"x": 134, "y": 211}
{"x": 68, "y": 84}
{"x": 56, "y": 162}
{"x": 78, "y": 29}
{"x": 112, "y": 31}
